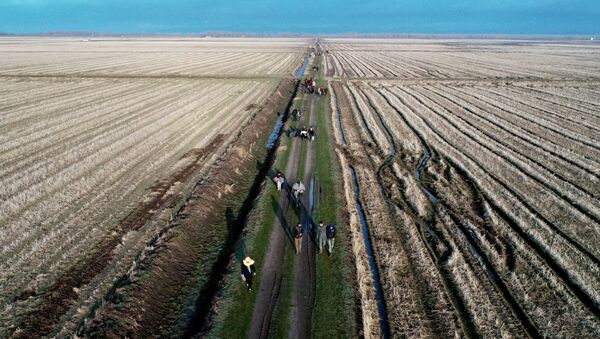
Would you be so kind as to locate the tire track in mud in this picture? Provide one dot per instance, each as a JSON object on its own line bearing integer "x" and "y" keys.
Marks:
{"x": 528, "y": 135}
{"x": 379, "y": 295}
{"x": 533, "y": 209}
{"x": 423, "y": 232}
{"x": 439, "y": 259}
{"x": 473, "y": 246}
{"x": 497, "y": 140}
{"x": 303, "y": 296}
{"x": 272, "y": 275}
{"x": 574, "y": 287}
{"x": 339, "y": 116}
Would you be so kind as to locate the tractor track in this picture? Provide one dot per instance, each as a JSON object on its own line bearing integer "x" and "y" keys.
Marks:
{"x": 439, "y": 259}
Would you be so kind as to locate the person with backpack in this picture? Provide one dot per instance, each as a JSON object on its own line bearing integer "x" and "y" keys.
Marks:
{"x": 298, "y": 233}
{"x": 321, "y": 236}
{"x": 248, "y": 272}
{"x": 330, "y": 237}
{"x": 279, "y": 180}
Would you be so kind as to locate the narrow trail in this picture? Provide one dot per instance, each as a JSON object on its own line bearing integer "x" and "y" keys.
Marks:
{"x": 271, "y": 274}
{"x": 303, "y": 297}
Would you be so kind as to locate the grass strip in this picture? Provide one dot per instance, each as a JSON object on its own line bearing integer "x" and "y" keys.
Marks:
{"x": 236, "y": 305}
{"x": 334, "y": 312}
{"x": 281, "y": 313}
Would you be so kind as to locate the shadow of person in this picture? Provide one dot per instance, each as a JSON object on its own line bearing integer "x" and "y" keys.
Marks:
{"x": 280, "y": 213}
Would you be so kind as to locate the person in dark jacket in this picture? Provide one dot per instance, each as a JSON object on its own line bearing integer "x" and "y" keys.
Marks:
{"x": 330, "y": 237}
{"x": 298, "y": 233}
{"x": 311, "y": 133}
{"x": 248, "y": 272}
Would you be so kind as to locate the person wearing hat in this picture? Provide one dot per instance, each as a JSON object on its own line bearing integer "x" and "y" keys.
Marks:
{"x": 248, "y": 272}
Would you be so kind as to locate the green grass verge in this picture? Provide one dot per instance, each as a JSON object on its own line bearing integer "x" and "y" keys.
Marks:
{"x": 333, "y": 315}
{"x": 237, "y": 304}
{"x": 281, "y": 313}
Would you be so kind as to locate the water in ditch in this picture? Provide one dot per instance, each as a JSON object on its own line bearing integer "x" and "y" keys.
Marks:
{"x": 381, "y": 308}
{"x": 302, "y": 68}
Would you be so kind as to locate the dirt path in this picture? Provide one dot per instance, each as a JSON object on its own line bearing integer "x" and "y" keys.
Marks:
{"x": 303, "y": 297}
{"x": 271, "y": 273}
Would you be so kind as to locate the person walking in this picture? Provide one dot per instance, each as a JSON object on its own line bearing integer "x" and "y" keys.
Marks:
{"x": 321, "y": 236}
{"x": 298, "y": 189}
{"x": 248, "y": 272}
{"x": 311, "y": 133}
{"x": 298, "y": 233}
{"x": 279, "y": 180}
{"x": 330, "y": 237}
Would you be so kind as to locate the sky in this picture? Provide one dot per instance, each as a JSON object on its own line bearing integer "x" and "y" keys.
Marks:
{"x": 309, "y": 16}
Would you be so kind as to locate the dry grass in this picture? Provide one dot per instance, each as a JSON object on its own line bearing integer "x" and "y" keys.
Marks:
{"x": 92, "y": 130}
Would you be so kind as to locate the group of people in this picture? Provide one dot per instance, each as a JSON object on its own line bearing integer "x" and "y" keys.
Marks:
{"x": 303, "y": 133}
{"x": 309, "y": 85}
{"x": 325, "y": 235}
{"x": 298, "y": 187}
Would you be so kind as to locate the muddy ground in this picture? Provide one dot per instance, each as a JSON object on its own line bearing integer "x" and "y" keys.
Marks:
{"x": 174, "y": 273}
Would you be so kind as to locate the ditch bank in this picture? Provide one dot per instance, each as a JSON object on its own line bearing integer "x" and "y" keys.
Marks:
{"x": 200, "y": 318}
{"x": 186, "y": 263}
{"x": 381, "y": 306}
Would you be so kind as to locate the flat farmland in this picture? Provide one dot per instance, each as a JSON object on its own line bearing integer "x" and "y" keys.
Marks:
{"x": 150, "y": 57}
{"x": 101, "y": 140}
{"x": 461, "y": 59}
{"x": 476, "y": 164}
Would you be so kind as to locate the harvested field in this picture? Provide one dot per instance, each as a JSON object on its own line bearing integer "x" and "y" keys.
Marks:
{"x": 150, "y": 57}
{"x": 478, "y": 166}
{"x": 100, "y": 143}
{"x": 461, "y": 59}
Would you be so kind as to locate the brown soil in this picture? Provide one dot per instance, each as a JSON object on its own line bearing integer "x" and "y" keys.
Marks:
{"x": 176, "y": 255}
{"x": 304, "y": 267}
{"x": 271, "y": 276}
{"x": 173, "y": 270}
{"x": 56, "y": 300}
{"x": 303, "y": 297}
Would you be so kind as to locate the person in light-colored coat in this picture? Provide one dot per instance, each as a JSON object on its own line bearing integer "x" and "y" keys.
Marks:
{"x": 321, "y": 236}
{"x": 279, "y": 180}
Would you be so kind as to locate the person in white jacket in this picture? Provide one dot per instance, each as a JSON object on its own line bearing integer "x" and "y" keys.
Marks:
{"x": 298, "y": 189}
{"x": 279, "y": 180}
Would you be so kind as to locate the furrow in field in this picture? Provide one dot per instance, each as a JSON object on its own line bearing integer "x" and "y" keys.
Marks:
{"x": 579, "y": 281}
{"x": 577, "y": 140}
{"x": 177, "y": 140}
{"x": 576, "y": 120}
{"x": 574, "y": 195}
{"x": 560, "y": 144}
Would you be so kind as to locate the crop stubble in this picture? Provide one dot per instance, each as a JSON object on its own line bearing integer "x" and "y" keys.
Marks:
{"x": 512, "y": 226}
